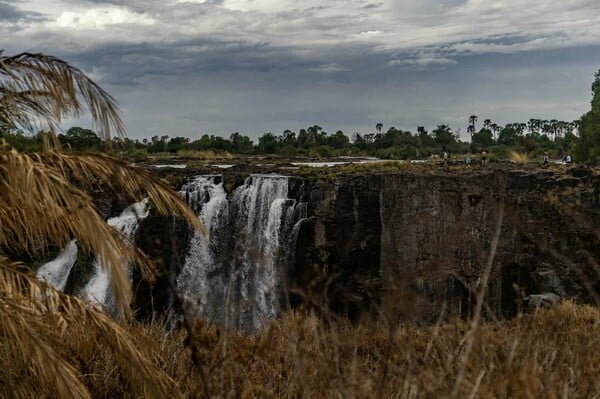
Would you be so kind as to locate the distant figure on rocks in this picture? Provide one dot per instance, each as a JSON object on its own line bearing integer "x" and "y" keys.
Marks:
{"x": 483, "y": 158}
{"x": 545, "y": 162}
{"x": 567, "y": 159}
{"x": 468, "y": 160}
{"x": 445, "y": 158}
{"x": 545, "y": 300}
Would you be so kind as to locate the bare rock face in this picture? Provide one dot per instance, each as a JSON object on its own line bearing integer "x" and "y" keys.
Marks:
{"x": 414, "y": 244}
{"x": 545, "y": 300}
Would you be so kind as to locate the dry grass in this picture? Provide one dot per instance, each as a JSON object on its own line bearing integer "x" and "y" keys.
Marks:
{"x": 518, "y": 157}
{"x": 49, "y": 340}
{"x": 193, "y": 154}
{"x": 547, "y": 354}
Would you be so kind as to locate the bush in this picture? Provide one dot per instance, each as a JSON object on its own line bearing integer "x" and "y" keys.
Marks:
{"x": 137, "y": 155}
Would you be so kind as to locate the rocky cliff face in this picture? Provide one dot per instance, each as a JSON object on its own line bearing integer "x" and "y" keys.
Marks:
{"x": 410, "y": 244}
{"x": 414, "y": 243}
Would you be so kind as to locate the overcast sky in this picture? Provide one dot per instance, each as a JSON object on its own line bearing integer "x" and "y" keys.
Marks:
{"x": 253, "y": 66}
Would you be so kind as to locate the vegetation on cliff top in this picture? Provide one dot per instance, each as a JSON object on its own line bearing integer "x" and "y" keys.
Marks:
{"x": 588, "y": 146}
{"x": 534, "y": 137}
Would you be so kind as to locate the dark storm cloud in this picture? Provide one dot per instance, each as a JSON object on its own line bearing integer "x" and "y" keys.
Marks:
{"x": 371, "y": 6}
{"x": 11, "y": 13}
{"x": 129, "y": 63}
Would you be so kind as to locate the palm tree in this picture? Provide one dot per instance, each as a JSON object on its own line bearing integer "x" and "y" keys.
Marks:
{"x": 378, "y": 127}
{"x": 46, "y": 202}
{"x": 487, "y": 123}
{"x": 472, "y": 122}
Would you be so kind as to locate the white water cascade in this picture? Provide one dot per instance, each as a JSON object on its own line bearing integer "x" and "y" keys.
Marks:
{"x": 236, "y": 275}
{"x": 97, "y": 290}
{"x": 56, "y": 272}
{"x": 201, "y": 279}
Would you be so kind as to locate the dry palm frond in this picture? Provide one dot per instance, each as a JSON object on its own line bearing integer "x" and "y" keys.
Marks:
{"x": 40, "y": 207}
{"x": 36, "y": 318}
{"x": 44, "y": 203}
{"x": 88, "y": 170}
{"x": 37, "y": 89}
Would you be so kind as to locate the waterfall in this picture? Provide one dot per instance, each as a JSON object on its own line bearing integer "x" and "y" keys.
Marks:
{"x": 201, "y": 280}
{"x": 56, "y": 272}
{"x": 97, "y": 290}
{"x": 236, "y": 275}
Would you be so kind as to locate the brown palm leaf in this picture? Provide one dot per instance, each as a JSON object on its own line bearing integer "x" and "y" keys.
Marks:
{"x": 39, "y": 322}
{"x": 37, "y": 90}
{"x": 41, "y": 208}
{"x": 88, "y": 170}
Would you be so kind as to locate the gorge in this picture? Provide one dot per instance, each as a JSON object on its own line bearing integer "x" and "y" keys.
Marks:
{"x": 394, "y": 244}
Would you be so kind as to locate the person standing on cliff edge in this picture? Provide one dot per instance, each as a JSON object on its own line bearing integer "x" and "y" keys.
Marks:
{"x": 483, "y": 158}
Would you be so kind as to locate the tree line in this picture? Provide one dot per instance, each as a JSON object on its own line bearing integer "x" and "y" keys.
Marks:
{"x": 316, "y": 142}
{"x": 534, "y": 137}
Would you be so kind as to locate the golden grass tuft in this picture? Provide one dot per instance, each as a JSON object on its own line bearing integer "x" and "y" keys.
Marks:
{"x": 518, "y": 157}
{"x": 194, "y": 154}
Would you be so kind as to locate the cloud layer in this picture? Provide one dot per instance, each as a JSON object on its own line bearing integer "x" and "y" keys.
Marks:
{"x": 349, "y": 63}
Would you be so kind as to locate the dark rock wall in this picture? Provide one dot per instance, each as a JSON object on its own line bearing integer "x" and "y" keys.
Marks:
{"x": 410, "y": 245}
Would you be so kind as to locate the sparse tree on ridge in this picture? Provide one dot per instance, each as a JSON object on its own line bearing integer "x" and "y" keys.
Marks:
{"x": 472, "y": 121}
{"x": 588, "y": 147}
{"x": 487, "y": 123}
{"x": 443, "y": 135}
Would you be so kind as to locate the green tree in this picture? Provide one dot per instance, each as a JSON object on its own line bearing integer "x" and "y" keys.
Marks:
{"x": 588, "y": 146}
{"x": 338, "y": 140}
{"x": 472, "y": 122}
{"x": 303, "y": 139}
{"x": 316, "y": 135}
{"x": 443, "y": 136}
{"x": 425, "y": 138}
{"x": 176, "y": 143}
{"x": 240, "y": 144}
{"x": 268, "y": 143}
{"x": 359, "y": 141}
{"x": 289, "y": 138}
{"x": 483, "y": 138}
{"x": 508, "y": 135}
{"x": 83, "y": 139}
